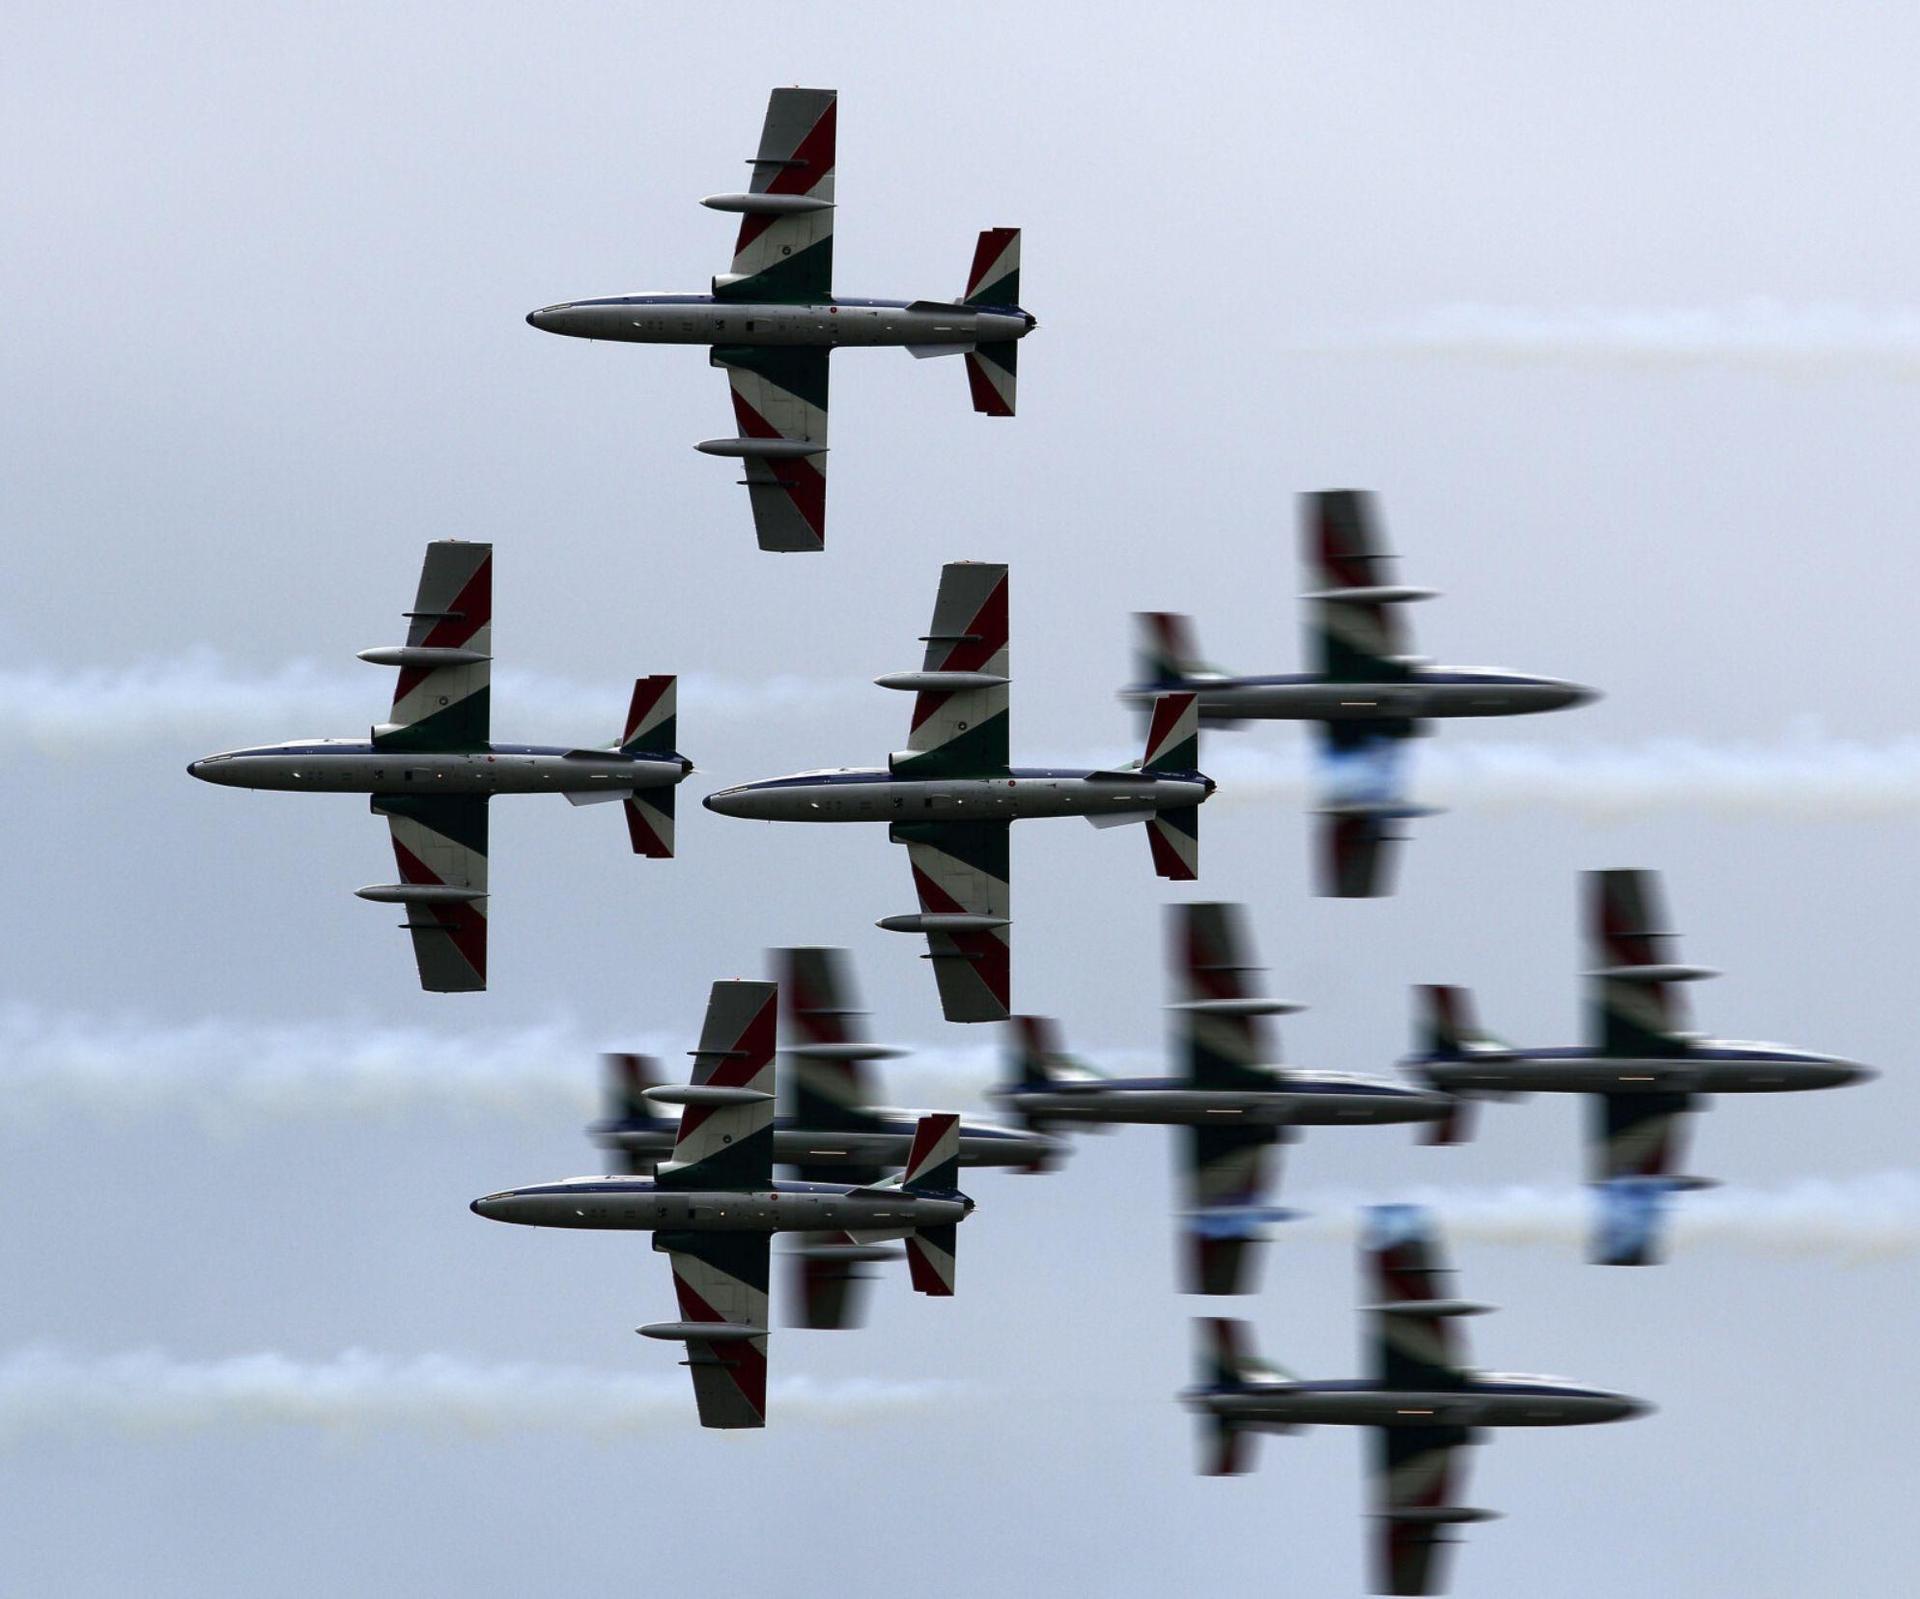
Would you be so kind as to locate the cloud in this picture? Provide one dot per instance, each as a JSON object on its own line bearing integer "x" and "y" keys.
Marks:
{"x": 1803, "y": 775}
{"x": 199, "y": 698}
{"x": 1798, "y": 341}
{"x": 1868, "y": 1217}
{"x": 149, "y": 1393}
{"x": 230, "y": 1075}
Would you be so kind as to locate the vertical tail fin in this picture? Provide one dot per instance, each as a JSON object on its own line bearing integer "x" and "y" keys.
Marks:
{"x": 933, "y": 1164}
{"x": 1445, "y": 1028}
{"x": 651, "y": 717}
{"x": 933, "y": 1167}
{"x": 1173, "y": 746}
{"x": 1226, "y": 1361}
{"x": 628, "y": 1077}
{"x": 994, "y": 279}
{"x": 1164, "y": 650}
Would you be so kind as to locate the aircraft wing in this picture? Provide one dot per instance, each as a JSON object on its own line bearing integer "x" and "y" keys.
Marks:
{"x": 1415, "y": 1348}
{"x": 780, "y": 408}
{"x": 959, "y": 726}
{"x": 829, "y": 1274}
{"x": 440, "y": 843}
{"x": 1637, "y": 1008}
{"x": 784, "y": 251}
{"x": 1634, "y": 1156}
{"x": 961, "y": 872}
{"x": 1230, "y": 1168}
{"x": 1363, "y": 783}
{"x": 829, "y": 1087}
{"x": 722, "y": 1278}
{"x": 1354, "y": 632}
{"x": 440, "y": 700}
{"x": 1417, "y": 1475}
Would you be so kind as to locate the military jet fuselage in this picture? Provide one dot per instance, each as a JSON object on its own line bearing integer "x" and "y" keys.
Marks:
{"x": 982, "y": 1143}
{"x": 1426, "y": 692}
{"x": 704, "y": 319}
{"x": 1487, "y": 1399}
{"x": 338, "y": 765}
{"x": 1297, "y": 1098}
{"x": 1705, "y": 1066}
{"x": 639, "y": 1204}
{"x": 857, "y": 794}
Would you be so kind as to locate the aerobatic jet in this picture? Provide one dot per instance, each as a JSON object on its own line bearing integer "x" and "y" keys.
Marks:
{"x": 714, "y": 1207}
{"x": 830, "y": 1129}
{"x": 430, "y": 768}
{"x": 1644, "y": 1070}
{"x": 771, "y": 321}
{"x": 950, "y": 795}
{"x": 1422, "y": 1401}
{"x": 1234, "y": 1102}
{"x": 1366, "y": 692}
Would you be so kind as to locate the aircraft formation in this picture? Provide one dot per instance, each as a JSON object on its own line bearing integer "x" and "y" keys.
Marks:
{"x": 780, "y": 1128}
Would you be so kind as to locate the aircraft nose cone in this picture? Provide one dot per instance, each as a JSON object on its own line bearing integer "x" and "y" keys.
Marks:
{"x": 1634, "y": 1409}
{"x": 1580, "y": 694}
{"x": 193, "y": 768}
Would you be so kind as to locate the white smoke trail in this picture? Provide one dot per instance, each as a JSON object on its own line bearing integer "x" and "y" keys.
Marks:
{"x": 148, "y": 1393}
{"x": 1755, "y": 334}
{"x": 1804, "y": 776}
{"x": 198, "y": 698}
{"x": 229, "y": 1075}
{"x": 1870, "y": 1217}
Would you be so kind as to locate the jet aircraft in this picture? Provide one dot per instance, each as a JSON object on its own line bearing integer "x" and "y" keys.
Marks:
{"x": 830, "y": 1130}
{"x": 1643, "y": 1070}
{"x": 1234, "y": 1105}
{"x": 1368, "y": 695}
{"x": 1422, "y": 1401}
{"x": 714, "y": 1207}
{"x": 950, "y": 795}
{"x": 430, "y": 769}
{"x": 772, "y": 320}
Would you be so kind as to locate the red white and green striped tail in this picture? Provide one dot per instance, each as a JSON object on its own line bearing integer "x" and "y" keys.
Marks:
{"x": 959, "y": 726}
{"x": 726, "y": 1129}
{"x": 993, "y": 368}
{"x": 995, "y": 278}
{"x": 440, "y": 700}
{"x": 784, "y": 251}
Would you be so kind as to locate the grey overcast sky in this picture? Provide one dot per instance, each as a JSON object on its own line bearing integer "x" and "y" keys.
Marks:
{"x": 1612, "y": 305}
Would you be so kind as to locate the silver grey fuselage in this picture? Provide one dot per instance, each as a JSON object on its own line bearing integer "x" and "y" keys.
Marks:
{"x": 637, "y": 1204}
{"x": 886, "y": 1143}
{"x": 1300, "y": 1098}
{"x": 863, "y": 794}
{"x": 356, "y": 767}
{"x": 702, "y": 319}
{"x": 1709, "y": 1066}
{"x": 1426, "y": 693}
{"x": 1489, "y": 1399}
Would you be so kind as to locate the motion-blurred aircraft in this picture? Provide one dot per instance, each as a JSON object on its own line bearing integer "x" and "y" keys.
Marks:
{"x": 714, "y": 1207}
{"x": 1368, "y": 695}
{"x": 830, "y": 1130}
{"x": 1235, "y": 1103}
{"x": 950, "y": 795}
{"x": 430, "y": 768}
{"x": 1644, "y": 1070}
{"x": 1422, "y": 1402}
{"x": 773, "y": 319}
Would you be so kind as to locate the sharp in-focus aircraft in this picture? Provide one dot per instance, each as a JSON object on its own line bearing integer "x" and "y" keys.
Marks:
{"x": 714, "y": 1207}
{"x": 950, "y": 795}
{"x": 430, "y": 768}
{"x": 1368, "y": 695}
{"x": 830, "y": 1129}
{"x": 1644, "y": 1069}
{"x": 773, "y": 319}
{"x": 1235, "y": 1103}
{"x": 1422, "y": 1401}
